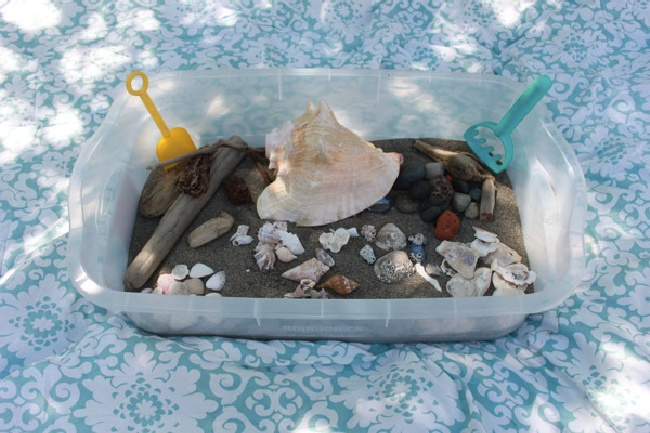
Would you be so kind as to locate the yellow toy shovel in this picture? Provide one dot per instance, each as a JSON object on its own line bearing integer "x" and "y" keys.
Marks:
{"x": 174, "y": 142}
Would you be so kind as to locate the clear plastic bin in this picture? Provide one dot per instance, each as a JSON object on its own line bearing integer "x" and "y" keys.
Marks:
{"x": 110, "y": 173}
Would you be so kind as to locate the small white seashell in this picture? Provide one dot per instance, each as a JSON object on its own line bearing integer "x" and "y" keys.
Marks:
{"x": 325, "y": 258}
{"x": 312, "y": 269}
{"x": 218, "y": 295}
{"x": 353, "y": 232}
{"x": 178, "y": 288}
{"x": 390, "y": 237}
{"x": 302, "y": 291}
{"x": 164, "y": 281}
{"x": 483, "y": 248}
{"x": 147, "y": 290}
{"x": 505, "y": 288}
{"x": 269, "y": 233}
{"x": 503, "y": 254}
{"x": 485, "y": 235}
{"x": 200, "y": 270}
{"x": 195, "y": 286}
{"x": 369, "y": 232}
{"x": 283, "y": 253}
{"x": 158, "y": 291}
{"x": 291, "y": 241}
{"x": 180, "y": 272}
{"x": 517, "y": 273}
{"x": 446, "y": 269}
{"x": 418, "y": 239}
{"x": 335, "y": 241}
{"x": 265, "y": 257}
{"x": 423, "y": 273}
{"x": 241, "y": 237}
{"x": 217, "y": 281}
{"x": 368, "y": 254}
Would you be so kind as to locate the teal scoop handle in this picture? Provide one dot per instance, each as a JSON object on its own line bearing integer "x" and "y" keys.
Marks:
{"x": 524, "y": 105}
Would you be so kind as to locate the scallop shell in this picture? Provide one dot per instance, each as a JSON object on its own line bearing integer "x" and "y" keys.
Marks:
{"x": 325, "y": 172}
{"x": 460, "y": 257}
{"x": 476, "y": 286}
{"x": 180, "y": 272}
{"x": 340, "y": 284}
{"x": 334, "y": 241}
{"x": 265, "y": 257}
{"x": 312, "y": 269}
{"x": 284, "y": 254}
{"x": 325, "y": 258}
{"x": 200, "y": 270}
{"x": 390, "y": 237}
{"x": 217, "y": 281}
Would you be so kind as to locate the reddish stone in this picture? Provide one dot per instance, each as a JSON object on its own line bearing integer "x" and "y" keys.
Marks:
{"x": 447, "y": 226}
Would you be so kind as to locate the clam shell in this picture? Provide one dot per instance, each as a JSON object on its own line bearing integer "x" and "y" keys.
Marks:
{"x": 178, "y": 288}
{"x": 476, "y": 286}
{"x": 390, "y": 237}
{"x": 216, "y": 282}
{"x": 394, "y": 267}
{"x": 340, "y": 284}
{"x": 325, "y": 172}
{"x": 503, "y": 254}
{"x": 180, "y": 272}
{"x": 164, "y": 281}
{"x": 195, "y": 286}
{"x": 200, "y": 270}
{"x": 312, "y": 269}
{"x": 460, "y": 257}
{"x": 484, "y": 235}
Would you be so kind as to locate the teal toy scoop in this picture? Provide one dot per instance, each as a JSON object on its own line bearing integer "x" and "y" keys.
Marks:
{"x": 502, "y": 129}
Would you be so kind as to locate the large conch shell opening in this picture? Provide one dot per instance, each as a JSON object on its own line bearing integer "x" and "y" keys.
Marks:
{"x": 325, "y": 172}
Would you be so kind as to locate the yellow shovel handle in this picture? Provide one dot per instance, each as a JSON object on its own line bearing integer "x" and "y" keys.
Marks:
{"x": 146, "y": 100}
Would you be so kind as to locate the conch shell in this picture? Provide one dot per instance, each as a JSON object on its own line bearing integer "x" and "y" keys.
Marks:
{"x": 325, "y": 172}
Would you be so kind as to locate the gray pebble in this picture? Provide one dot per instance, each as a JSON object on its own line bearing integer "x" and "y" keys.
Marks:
{"x": 420, "y": 190}
{"x": 430, "y": 213}
{"x": 460, "y": 201}
{"x": 475, "y": 194}
{"x": 434, "y": 169}
{"x": 410, "y": 171}
{"x": 472, "y": 210}
{"x": 406, "y": 204}
{"x": 461, "y": 186}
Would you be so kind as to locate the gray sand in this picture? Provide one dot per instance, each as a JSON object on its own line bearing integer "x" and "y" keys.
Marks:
{"x": 243, "y": 278}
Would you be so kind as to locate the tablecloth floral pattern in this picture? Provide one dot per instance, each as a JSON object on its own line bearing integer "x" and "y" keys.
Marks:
{"x": 66, "y": 365}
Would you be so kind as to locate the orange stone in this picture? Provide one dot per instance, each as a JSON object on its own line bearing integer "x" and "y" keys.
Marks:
{"x": 447, "y": 226}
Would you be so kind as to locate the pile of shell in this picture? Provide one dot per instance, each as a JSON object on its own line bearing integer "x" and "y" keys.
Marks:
{"x": 202, "y": 281}
{"x": 502, "y": 267}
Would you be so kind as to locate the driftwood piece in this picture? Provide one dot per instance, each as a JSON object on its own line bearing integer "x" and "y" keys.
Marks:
{"x": 460, "y": 165}
{"x": 210, "y": 230}
{"x": 159, "y": 192}
{"x": 180, "y": 215}
{"x": 488, "y": 200}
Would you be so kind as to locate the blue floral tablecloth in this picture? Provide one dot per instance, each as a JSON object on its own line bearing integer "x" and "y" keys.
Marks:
{"x": 66, "y": 365}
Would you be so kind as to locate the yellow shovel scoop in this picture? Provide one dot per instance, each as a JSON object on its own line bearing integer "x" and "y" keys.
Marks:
{"x": 174, "y": 142}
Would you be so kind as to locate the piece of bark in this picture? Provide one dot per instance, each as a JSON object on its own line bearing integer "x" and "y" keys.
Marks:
{"x": 460, "y": 165}
{"x": 180, "y": 215}
{"x": 488, "y": 200}
{"x": 159, "y": 192}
